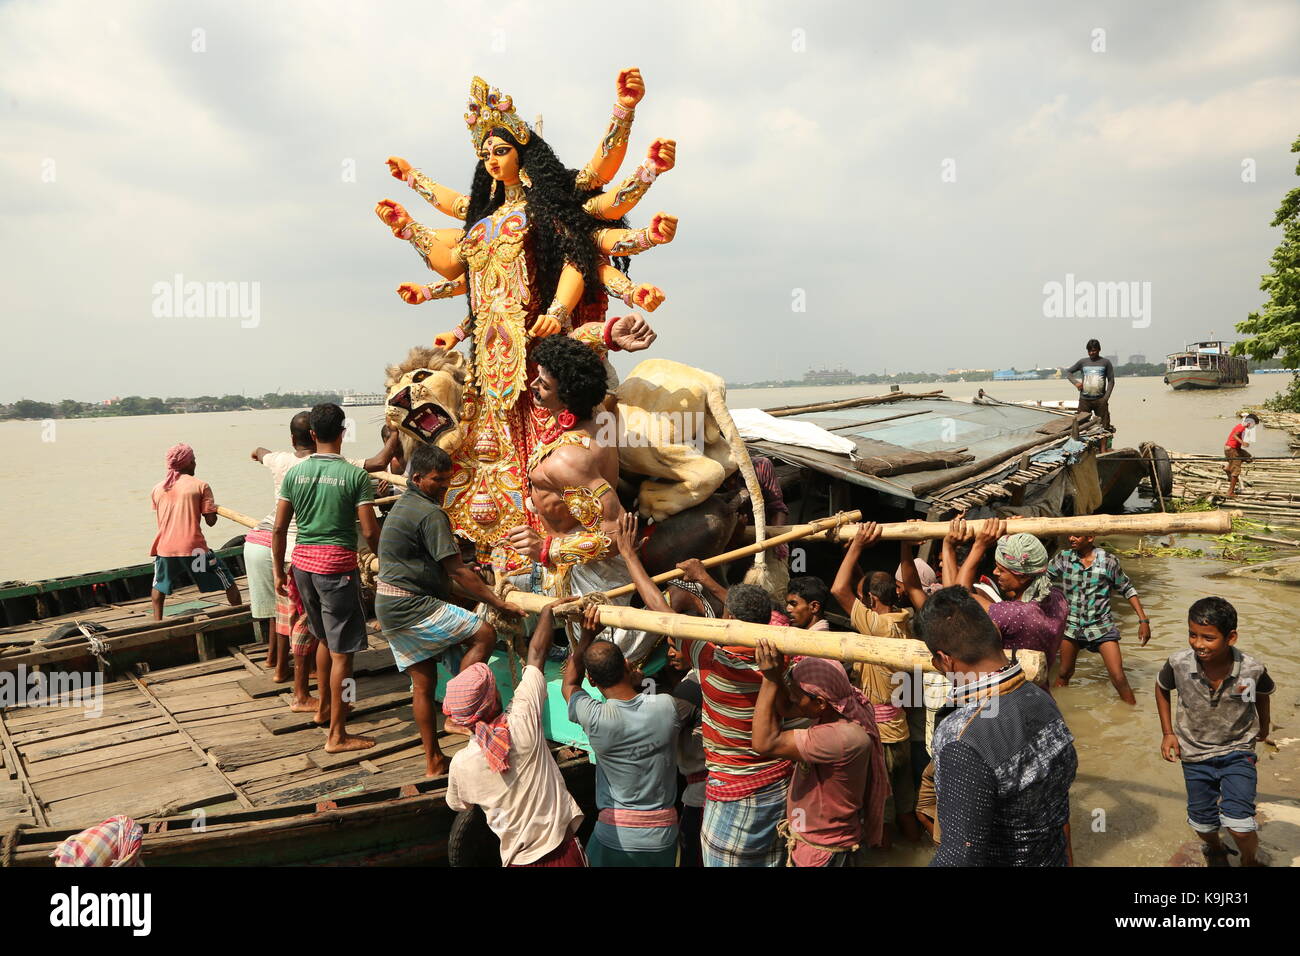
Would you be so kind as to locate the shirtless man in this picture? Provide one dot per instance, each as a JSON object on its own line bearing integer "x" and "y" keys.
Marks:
{"x": 573, "y": 479}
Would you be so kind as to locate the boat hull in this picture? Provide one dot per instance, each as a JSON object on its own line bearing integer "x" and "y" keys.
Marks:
{"x": 1199, "y": 379}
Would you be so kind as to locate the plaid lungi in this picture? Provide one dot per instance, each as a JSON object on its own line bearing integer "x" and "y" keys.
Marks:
{"x": 446, "y": 627}
{"x": 115, "y": 842}
{"x": 743, "y": 832}
{"x": 291, "y": 621}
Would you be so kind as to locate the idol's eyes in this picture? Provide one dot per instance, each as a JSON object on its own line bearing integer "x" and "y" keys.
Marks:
{"x": 496, "y": 151}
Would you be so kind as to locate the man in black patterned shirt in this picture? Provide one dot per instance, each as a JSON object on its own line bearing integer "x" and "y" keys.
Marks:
{"x": 1004, "y": 759}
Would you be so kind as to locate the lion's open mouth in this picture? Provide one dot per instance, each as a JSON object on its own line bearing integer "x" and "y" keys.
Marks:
{"x": 426, "y": 421}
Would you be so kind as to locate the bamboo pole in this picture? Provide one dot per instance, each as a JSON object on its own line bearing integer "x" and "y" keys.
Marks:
{"x": 795, "y": 533}
{"x": 236, "y": 516}
{"x": 786, "y": 410}
{"x": 240, "y": 518}
{"x": 898, "y": 654}
{"x": 1217, "y": 522}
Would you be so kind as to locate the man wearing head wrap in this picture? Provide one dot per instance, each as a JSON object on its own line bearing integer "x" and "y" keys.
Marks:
{"x": 1030, "y": 613}
{"x": 507, "y": 767}
{"x": 180, "y": 552}
{"x": 837, "y": 794}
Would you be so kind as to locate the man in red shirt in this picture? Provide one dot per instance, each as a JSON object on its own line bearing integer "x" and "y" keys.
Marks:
{"x": 180, "y": 552}
{"x": 745, "y": 791}
{"x": 1234, "y": 449}
{"x": 836, "y": 801}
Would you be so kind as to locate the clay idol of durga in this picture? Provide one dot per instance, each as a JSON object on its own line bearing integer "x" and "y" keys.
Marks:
{"x": 541, "y": 249}
{"x": 539, "y": 483}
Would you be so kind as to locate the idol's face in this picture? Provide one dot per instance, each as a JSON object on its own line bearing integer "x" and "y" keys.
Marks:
{"x": 501, "y": 160}
{"x": 546, "y": 391}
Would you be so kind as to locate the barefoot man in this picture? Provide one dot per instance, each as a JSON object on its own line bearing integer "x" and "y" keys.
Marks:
{"x": 329, "y": 496}
{"x": 419, "y": 560}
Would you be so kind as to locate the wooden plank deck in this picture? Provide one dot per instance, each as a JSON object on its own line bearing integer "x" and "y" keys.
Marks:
{"x": 206, "y": 735}
{"x": 187, "y": 606}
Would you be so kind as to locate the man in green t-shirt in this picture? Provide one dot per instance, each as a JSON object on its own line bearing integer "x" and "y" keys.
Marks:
{"x": 328, "y": 496}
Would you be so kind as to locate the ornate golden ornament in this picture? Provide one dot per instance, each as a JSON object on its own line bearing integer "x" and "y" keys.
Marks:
{"x": 489, "y": 108}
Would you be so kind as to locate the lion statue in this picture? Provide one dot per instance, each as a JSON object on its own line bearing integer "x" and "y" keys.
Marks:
{"x": 676, "y": 440}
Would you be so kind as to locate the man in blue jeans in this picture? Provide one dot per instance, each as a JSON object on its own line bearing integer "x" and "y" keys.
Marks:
{"x": 1223, "y": 708}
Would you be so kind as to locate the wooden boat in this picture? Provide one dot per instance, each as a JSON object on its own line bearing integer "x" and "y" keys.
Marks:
{"x": 22, "y": 602}
{"x": 925, "y": 455}
{"x": 1120, "y": 472}
{"x": 1205, "y": 365}
{"x": 208, "y": 757}
{"x": 194, "y": 627}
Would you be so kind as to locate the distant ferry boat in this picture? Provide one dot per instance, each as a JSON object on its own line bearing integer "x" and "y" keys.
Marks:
{"x": 1205, "y": 365}
{"x": 364, "y": 398}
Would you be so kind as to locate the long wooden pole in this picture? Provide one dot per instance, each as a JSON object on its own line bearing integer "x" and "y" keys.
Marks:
{"x": 795, "y": 533}
{"x": 786, "y": 410}
{"x": 1215, "y": 522}
{"x": 240, "y": 518}
{"x": 899, "y": 654}
{"x": 895, "y": 653}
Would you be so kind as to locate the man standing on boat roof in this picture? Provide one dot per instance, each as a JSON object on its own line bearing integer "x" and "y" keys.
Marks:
{"x": 1095, "y": 383}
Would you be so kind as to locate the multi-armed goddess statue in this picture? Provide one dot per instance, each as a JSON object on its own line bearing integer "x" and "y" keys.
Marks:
{"x": 540, "y": 250}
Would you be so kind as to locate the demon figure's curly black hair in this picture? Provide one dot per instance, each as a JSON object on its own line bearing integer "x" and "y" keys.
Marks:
{"x": 562, "y": 231}
{"x": 579, "y": 375}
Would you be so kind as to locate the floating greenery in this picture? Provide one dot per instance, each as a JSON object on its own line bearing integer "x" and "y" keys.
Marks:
{"x": 1235, "y": 547}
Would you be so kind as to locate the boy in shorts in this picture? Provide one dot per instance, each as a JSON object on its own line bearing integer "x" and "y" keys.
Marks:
{"x": 328, "y": 496}
{"x": 1089, "y": 575}
{"x": 1223, "y": 708}
{"x": 180, "y": 552}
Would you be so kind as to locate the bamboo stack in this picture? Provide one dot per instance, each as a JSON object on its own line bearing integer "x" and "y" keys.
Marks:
{"x": 1287, "y": 421}
{"x": 1266, "y": 491}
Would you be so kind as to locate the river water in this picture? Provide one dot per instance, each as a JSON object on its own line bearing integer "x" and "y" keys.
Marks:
{"x": 74, "y": 497}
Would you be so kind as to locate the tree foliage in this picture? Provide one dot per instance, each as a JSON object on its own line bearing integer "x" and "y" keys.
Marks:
{"x": 1275, "y": 329}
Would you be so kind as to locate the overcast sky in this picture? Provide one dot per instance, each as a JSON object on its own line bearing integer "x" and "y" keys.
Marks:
{"x": 919, "y": 171}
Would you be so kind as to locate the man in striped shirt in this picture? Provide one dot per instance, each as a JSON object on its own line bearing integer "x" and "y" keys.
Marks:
{"x": 1089, "y": 575}
{"x": 744, "y": 794}
{"x": 329, "y": 496}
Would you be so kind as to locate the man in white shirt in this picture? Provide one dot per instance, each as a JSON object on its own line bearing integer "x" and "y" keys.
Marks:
{"x": 507, "y": 767}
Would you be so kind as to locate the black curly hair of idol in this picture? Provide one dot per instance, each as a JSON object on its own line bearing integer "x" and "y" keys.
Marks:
{"x": 562, "y": 230}
{"x": 579, "y": 375}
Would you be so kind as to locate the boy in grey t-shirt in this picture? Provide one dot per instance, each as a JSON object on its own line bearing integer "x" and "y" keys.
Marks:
{"x": 1223, "y": 708}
